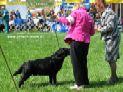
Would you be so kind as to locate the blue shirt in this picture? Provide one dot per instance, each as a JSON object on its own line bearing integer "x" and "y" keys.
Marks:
{"x": 5, "y": 15}
{"x": 18, "y": 21}
{"x": 18, "y": 14}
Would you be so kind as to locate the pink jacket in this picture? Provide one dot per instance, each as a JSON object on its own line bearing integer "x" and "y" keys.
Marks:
{"x": 81, "y": 29}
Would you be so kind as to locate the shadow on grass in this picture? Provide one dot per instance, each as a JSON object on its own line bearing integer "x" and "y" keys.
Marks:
{"x": 37, "y": 85}
{"x": 65, "y": 82}
{"x": 100, "y": 84}
{"x": 97, "y": 84}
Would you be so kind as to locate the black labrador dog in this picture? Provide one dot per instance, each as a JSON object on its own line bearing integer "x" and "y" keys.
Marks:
{"x": 48, "y": 66}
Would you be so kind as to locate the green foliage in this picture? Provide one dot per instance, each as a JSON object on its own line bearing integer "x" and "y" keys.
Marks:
{"x": 33, "y": 3}
{"x": 16, "y": 2}
{"x": 22, "y": 46}
{"x": 40, "y": 3}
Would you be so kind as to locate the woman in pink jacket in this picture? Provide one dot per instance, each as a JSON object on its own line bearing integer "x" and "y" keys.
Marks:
{"x": 81, "y": 27}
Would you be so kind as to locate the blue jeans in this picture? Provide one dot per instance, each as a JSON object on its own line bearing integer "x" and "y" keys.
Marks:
{"x": 6, "y": 24}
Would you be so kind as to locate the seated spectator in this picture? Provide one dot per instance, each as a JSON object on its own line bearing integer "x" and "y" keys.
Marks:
{"x": 18, "y": 23}
{"x": 30, "y": 23}
{"x": 12, "y": 15}
{"x": 61, "y": 13}
{"x": 29, "y": 15}
{"x": 18, "y": 14}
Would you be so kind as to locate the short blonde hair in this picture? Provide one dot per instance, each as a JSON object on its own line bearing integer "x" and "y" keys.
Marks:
{"x": 78, "y": 5}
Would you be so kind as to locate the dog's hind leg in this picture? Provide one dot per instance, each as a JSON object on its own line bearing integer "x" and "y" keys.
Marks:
{"x": 18, "y": 71}
{"x": 24, "y": 77}
{"x": 25, "y": 74}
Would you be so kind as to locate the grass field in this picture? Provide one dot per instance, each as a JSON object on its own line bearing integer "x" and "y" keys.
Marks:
{"x": 22, "y": 46}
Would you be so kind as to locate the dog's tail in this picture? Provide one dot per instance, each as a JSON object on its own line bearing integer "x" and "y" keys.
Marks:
{"x": 19, "y": 70}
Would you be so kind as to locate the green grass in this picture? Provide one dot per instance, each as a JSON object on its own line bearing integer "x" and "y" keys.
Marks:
{"x": 21, "y": 46}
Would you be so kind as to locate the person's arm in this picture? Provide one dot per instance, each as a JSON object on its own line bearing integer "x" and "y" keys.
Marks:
{"x": 68, "y": 20}
{"x": 109, "y": 24}
{"x": 91, "y": 22}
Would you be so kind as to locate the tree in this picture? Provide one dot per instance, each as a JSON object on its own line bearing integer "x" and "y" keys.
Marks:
{"x": 40, "y": 3}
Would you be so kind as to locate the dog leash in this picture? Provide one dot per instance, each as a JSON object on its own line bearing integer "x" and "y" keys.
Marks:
{"x": 57, "y": 39}
{"x": 9, "y": 69}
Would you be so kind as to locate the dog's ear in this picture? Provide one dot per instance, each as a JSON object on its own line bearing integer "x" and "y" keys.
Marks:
{"x": 61, "y": 50}
{"x": 66, "y": 50}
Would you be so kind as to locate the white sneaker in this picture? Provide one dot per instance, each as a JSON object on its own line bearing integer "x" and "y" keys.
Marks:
{"x": 78, "y": 87}
{"x": 74, "y": 87}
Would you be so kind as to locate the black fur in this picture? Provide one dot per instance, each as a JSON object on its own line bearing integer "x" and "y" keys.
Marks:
{"x": 47, "y": 66}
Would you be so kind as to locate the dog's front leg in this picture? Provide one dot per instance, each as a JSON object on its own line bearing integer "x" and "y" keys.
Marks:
{"x": 54, "y": 79}
{"x": 50, "y": 79}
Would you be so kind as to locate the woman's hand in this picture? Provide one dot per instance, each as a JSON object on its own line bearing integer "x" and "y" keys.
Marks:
{"x": 97, "y": 28}
{"x": 69, "y": 42}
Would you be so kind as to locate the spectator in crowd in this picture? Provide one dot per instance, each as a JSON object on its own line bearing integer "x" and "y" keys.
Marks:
{"x": 52, "y": 12}
{"x": 50, "y": 15}
{"x": 12, "y": 15}
{"x": 38, "y": 14}
{"x": 49, "y": 19}
{"x": 18, "y": 23}
{"x": 30, "y": 22}
{"x": 92, "y": 13}
{"x": 0, "y": 16}
{"x": 43, "y": 13}
{"x": 1, "y": 22}
{"x": 5, "y": 19}
{"x": 61, "y": 13}
{"x": 42, "y": 19}
{"x": 18, "y": 13}
{"x": 29, "y": 15}
{"x": 111, "y": 36}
